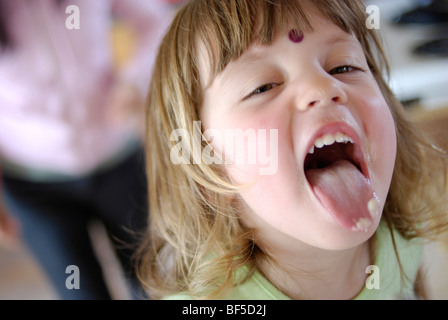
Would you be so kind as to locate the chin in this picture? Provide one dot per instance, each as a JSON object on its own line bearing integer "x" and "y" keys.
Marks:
{"x": 334, "y": 237}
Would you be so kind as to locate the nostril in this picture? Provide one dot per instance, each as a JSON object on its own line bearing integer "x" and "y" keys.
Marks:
{"x": 315, "y": 102}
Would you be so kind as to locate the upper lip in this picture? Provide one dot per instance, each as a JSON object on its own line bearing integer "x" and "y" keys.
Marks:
{"x": 342, "y": 127}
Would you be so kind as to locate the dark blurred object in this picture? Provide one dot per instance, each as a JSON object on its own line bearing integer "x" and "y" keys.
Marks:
{"x": 426, "y": 12}
{"x": 411, "y": 103}
{"x": 429, "y": 13}
{"x": 433, "y": 48}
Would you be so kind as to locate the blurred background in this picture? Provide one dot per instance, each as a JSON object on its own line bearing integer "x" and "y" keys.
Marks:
{"x": 415, "y": 34}
{"x": 73, "y": 80}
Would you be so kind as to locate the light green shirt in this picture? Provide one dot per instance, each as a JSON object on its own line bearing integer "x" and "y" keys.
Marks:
{"x": 389, "y": 279}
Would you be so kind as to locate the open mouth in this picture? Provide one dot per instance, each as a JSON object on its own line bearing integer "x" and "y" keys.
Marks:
{"x": 330, "y": 149}
{"x": 337, "y": 173}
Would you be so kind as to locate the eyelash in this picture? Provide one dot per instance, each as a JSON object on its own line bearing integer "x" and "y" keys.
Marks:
{"x": 264, "y": 86}
{"x": 352, "y": 68}
{"x": 272, "y": 85}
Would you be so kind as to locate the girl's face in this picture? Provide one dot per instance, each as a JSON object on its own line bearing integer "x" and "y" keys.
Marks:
{"x": 314, "y": 110}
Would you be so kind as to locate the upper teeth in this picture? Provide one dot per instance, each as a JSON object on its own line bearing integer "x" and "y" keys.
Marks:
{"x": 329, "y": 139}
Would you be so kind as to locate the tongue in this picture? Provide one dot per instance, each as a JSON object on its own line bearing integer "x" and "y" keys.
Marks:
{"x": 344, "y": 191}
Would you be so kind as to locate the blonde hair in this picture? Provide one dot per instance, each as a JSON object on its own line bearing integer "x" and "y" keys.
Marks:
{"x": 195, "y": 241}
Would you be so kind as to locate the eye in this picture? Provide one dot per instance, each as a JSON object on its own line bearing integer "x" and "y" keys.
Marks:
{"x": 344, "y": 69}
{"x": 262, "y": 89}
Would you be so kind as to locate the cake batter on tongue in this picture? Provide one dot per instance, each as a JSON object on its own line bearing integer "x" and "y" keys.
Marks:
{"x": 346, "y": 193}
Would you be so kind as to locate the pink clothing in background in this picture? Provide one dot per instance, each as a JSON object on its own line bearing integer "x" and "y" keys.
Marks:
{"x": 55, "y": 84}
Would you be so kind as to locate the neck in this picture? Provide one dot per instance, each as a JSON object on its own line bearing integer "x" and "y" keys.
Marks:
{"x": 315, "y": 273}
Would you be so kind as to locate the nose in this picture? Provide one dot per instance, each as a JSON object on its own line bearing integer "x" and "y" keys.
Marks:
{"x": 320, "y": 90}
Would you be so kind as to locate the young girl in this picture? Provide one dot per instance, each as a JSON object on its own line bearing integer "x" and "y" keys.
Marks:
{"x": 347, "y": 196}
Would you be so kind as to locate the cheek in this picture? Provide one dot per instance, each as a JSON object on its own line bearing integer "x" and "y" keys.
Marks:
{"x": 250, "y": 149}
{"x": 251, "y": 154}
{"x": 278, "y": 191}
{"x": 382, "y": 146}
{"x": 389, "y": 145}
{"x": 382, "y": 130}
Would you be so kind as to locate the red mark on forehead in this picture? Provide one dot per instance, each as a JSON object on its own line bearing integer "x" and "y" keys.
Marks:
{"x": 295, "y": 35}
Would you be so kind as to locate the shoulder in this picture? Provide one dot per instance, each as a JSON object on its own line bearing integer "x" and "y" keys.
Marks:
{"x": 397, "y": 263}
{"x": 407, "y": 252}
{"x": 178, "y": 296}
{"x": 435, "y": 264}
{"x": 255, "y": 287}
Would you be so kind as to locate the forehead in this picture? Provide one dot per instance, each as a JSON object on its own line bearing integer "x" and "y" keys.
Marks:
{"x": 226, "y": 29}
{"x": 328, "y": 35}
